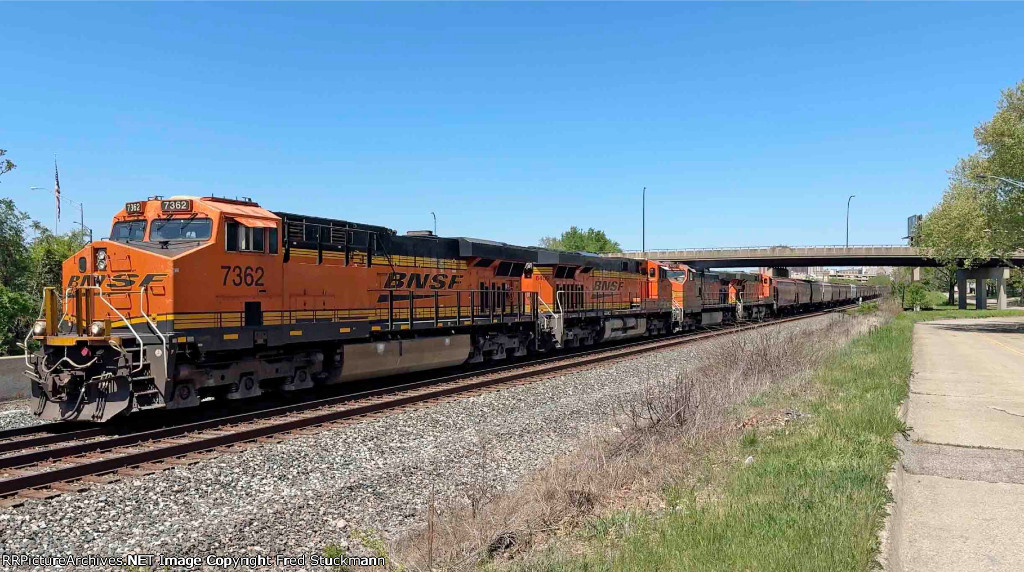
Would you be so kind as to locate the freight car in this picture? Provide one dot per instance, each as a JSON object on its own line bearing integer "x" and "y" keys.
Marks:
{"x": 197, "y": 298}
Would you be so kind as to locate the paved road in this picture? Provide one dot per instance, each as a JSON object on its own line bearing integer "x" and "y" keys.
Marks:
{"x": 962, "y": 492}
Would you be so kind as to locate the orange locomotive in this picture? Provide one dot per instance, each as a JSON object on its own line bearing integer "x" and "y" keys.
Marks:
{"x": 194, "y": 298}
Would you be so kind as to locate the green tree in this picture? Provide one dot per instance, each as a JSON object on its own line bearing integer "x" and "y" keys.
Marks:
{"x": 48, "y": 252}
{"x": 6, "y": 165}
{"x": 942, "y": 279}
{"x": 26, "y": 266}
{"x": 14, "y": 259}
{"x": 958, "y": 228}
{"x": 916, "y": 296}
{"x": 980, "y": 216}
{"x": 16, "y": 314}
{"x": 1001, "y": 140}
{"x": 1000, "y": 154}
{"x": 577, "y": 240}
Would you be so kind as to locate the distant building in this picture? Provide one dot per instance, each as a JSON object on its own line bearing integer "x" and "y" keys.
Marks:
{"x": 859, "y": 274}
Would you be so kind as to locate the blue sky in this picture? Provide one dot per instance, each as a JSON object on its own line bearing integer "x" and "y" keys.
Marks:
{"x": 749, "y": 124}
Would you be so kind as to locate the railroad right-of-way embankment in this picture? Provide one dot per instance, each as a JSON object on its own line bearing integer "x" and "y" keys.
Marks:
{"x": 803, "y": 481}
{"x": 343, "y": 489}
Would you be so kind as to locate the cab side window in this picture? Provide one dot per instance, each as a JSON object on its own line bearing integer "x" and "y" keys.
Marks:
{"x": 241, "y": 238}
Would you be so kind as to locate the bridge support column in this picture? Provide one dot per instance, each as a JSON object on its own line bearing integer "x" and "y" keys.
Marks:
{"x": 961, "y": 287}
{"x": 1002, "y": 275}
{"x": 915, "y": 274}
{"x": 979, "y": 275}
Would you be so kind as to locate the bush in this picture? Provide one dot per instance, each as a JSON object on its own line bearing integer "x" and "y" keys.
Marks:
{"x": 916, "y": 297}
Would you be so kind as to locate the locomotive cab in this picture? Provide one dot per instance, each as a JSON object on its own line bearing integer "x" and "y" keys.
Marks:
{"x": 106, "y": 336}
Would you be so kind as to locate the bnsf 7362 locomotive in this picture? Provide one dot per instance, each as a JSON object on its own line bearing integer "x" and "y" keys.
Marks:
{"x": 193, "y": 298}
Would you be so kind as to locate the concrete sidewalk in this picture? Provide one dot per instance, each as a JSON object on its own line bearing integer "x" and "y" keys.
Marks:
{"x": 960, "y": 489}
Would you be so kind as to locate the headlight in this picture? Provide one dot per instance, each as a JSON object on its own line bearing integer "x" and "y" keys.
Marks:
{"x": 39, "y": 328}
{"x": 97, "y": 329}
{"x": 101, "y": 259}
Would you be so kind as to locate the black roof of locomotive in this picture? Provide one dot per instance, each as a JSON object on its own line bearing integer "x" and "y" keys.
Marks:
{"x": 477, "y": 247}
{"x": 465, "y": 247}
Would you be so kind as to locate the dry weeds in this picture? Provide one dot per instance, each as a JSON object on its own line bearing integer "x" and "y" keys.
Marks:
{"x": 655, "y": 439}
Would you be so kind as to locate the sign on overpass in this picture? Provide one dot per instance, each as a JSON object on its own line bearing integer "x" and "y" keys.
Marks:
{"x": 783, "y": 256}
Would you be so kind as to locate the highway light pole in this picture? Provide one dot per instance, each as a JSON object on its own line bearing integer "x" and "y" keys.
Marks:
{"x": 435, "y": 222}
{"x": 848, "y": 220}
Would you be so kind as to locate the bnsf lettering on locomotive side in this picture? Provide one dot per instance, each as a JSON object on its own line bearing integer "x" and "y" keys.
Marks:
{"x": 114, "y": 281}
{"x": 609, "y": 285}
{"x": 414, "y": 280}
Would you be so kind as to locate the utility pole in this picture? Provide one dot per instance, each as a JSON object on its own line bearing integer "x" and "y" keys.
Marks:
{"x": 848, "y": 220}
{"x": 643, "y": 220}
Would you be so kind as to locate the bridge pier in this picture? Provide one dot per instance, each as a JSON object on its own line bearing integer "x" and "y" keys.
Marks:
{"x": 979, "y": 275}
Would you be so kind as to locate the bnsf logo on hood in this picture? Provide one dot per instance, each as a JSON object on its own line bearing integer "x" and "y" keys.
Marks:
{"x": 413, "y": 280}
{"x": 114, "y": 281}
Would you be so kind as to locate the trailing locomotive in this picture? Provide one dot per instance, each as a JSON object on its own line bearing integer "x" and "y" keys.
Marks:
{"x": 195, "y": 298}
{"x": 702, "y": 298}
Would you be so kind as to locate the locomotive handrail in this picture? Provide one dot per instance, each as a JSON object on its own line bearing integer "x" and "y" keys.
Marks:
{"x": 42, "y": 306}
{"x": 550, "y": 311}
{"x": 152, "y": 324}
{"x": 64, "y": 308}
{"x": 603, "y": 303}
{"x": 494, "y": 305}
{"x": 126, "y": 323}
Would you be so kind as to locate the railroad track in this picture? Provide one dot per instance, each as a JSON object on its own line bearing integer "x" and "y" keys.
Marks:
{"x": 32, "y": 469}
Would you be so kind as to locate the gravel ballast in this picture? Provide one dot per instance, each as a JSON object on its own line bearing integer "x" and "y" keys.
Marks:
{"x": 303, "y": 494}
{"x": 16, "y": 414}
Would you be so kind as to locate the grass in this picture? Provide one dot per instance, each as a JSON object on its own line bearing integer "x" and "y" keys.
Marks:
{"x": 936, "y": 299}
{"x": 863, "y": 309}
{"x": 815, "y": 494}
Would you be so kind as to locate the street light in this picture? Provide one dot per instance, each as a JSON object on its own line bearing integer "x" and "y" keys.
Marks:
{"x": 1013, "y": 182}
{"x": 81, "y": 216}
{"x": 435, "y": 222}
{"x": 81, "y": 213}
{"x": 848, "y": 220}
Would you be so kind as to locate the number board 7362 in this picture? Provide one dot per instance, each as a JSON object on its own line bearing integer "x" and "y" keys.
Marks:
{"x": 176, "y": 206}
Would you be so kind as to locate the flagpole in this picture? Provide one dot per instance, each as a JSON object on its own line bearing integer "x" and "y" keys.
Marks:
{"x": 56, "y": 195}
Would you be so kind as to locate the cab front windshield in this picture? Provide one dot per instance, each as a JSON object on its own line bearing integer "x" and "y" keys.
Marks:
{"x": 184, "y": 228}
{"x": 128, "y": 230}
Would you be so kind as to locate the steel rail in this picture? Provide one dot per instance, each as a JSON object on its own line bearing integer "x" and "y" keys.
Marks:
{"x": 252, "y": 426}
{"x": 49, "y": 438}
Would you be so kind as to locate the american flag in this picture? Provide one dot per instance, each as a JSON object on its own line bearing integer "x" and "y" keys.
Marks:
{"x": 56, "y": 189}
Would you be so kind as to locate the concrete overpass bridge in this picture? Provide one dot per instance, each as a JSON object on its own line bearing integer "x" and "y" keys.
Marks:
{"x": 783, "y": 256}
